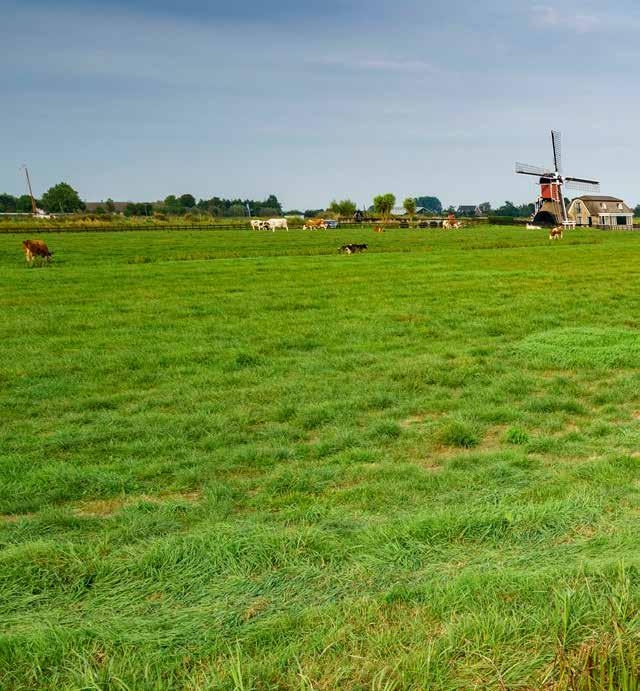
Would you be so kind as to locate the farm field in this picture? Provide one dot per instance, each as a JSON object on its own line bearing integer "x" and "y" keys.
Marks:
{"x": 236, "y": 460}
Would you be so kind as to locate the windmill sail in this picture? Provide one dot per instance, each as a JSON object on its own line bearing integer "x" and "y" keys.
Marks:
{"x": 582, "y": 184}
{"x": 556, "y": 141}
{"x": 526, "y": 169}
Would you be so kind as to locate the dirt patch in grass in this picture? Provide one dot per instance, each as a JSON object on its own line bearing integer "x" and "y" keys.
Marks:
{"x": 418, "y": 419}
{"x": 103, "y": 508}
{"x": 258, "y": 606}
{"x": 491, "y": 441}
{"x": 13, "y": 517}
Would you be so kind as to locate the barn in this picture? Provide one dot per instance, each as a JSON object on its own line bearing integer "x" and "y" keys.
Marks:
{"x": 601, "y": 212}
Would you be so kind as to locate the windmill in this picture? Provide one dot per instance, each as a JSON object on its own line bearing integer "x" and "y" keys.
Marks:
{"x": 550, "y": 208}
{"x": 34, "y": 208}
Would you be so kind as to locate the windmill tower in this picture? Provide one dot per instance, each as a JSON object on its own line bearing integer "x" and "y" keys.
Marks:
{"x": 550, "y": 208}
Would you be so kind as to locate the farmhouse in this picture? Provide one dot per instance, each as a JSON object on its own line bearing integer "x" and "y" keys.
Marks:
{"x": 469, "y": 210}
{"x": 607, "y": 212}
{"x": 119, "y": 207}
{"x": 401, "y": 211}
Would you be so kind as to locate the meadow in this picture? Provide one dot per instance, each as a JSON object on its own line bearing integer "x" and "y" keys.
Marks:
{"x": 236, "y": 460}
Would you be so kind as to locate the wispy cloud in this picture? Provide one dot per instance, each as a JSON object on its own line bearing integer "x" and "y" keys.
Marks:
{"x": 547, "y": 16}
{"x": 377, "y": 64}
{"x": 578, "y": 21}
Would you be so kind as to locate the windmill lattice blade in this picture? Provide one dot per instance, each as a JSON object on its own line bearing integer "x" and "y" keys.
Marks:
{"x": 556, "y": 140}
{"x": 526, "y": 169}
{"x": 583, "y": 185}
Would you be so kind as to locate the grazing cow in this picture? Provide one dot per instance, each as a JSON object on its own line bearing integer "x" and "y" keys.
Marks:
{"x": 257, "y": 224}
{"x": 314, "y": 224}
{"x": 274, "y": 223}
{"x": 36, "y": 248}
{"x": 556, "y": 233}
{"x": 353, "y": 248}
{"x": 378, "y": 229}
{"x": 451, "y": 224}
{"x": 532, "y": 227}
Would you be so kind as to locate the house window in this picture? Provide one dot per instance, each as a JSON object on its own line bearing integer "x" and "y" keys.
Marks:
{"x": 603, "y": 205}
{"x": 620, "y": 206}
{"x": 621, "y": 221}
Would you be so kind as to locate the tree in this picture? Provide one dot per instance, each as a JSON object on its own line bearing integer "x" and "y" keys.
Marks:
{"x": 273, "y": 203}
{"x": 172, "y": 205}
{"x": 432, "y": 204}
{"x": 268, "y": 211}
{"x": 636, "y": 211}
{"x": 410, "y": 207}
{"x": 187, "y": 200}
{"x": 313, "y": 213}
{"x": 347, "y": 208}
{"x": 23, "y": 204}
{"x": 61, "y": 198}
{"x": 485, "y": 208}
{"x": 236, "y": 210}
{"x": 7, "y": 203}
{"x": 343, "y": 209}
{"x": 383, "y": 204}
{"x": 140, "y": 209}
{"x": 110, "y": 206}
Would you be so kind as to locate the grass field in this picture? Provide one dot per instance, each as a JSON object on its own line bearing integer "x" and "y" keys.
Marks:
{"x": 243, "y": 461}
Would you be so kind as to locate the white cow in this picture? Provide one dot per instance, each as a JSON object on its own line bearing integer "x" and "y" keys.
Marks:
{"x": 451, "y": 224}
{"x": 274, "y": 223}
{"x": 257, "y": 224}
{"x": 532, "y": 227}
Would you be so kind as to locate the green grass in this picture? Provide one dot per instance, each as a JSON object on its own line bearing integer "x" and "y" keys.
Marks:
{"x": 236, "y": 460}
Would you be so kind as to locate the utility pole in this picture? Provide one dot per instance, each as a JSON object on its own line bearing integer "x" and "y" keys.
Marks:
{"x": 34, "y": 208}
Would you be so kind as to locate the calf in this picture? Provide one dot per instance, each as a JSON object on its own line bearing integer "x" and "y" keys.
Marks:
{"x": 353, "y": 248}
{"x": 555, "y": 233}
{"x": 35, "y": 248}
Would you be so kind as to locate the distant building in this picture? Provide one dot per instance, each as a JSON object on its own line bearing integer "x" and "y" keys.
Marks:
{"x": 607, "y": 212}
{"x": 119, "y": 206}
{"x": 401, "y": 211}
{"x": 468, "y": 210}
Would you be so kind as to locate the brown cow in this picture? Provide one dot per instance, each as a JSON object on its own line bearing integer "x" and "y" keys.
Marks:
{"x": 378, "y": 229}
{"x": 555, "y": 233}
{"x": 35, "y": 248}
{"x": 314, "y": 223}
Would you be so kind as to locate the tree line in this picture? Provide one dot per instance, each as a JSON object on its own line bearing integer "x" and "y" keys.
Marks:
{"x": 62, "y": 198}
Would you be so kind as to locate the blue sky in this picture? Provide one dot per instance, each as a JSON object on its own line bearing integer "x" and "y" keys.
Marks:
{"x": 316, "y": 100}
